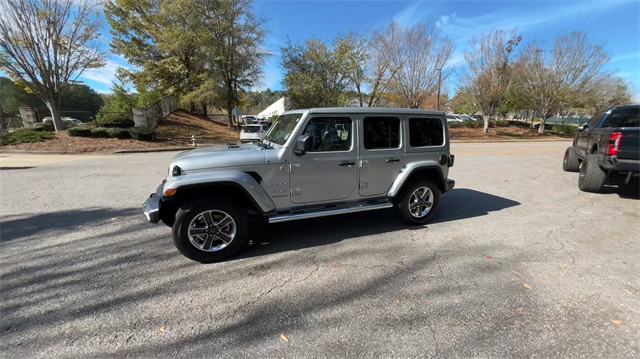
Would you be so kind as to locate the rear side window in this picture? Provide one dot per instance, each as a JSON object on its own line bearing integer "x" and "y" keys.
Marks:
{"x": 426, "y": 132}
{"x": 624, "y": 117}
{"x": 381, "y": 132}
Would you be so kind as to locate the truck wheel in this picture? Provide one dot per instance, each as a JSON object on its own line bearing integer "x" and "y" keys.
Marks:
{"x": 592, "y": 177}
{"x": 210, "y": 229}
{"x": 418, "y": 202}
{"x": 570, "y": 163}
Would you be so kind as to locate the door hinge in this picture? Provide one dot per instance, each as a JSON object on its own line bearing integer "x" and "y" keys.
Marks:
{"x": 296, "y": 192}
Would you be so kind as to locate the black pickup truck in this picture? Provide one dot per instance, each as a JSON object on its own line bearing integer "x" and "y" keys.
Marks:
{"x": 606, "y": 148}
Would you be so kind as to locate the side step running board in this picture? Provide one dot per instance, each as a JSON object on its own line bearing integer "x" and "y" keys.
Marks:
{"x": 327, "y": 212}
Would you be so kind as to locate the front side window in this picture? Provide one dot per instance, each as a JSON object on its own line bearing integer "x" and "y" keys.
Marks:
{"x": 329, "y": 134}
{"x": 381, "y": 132}
{"x": 425, "y": 132}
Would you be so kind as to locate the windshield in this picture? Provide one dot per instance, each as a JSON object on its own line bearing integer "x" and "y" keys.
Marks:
{"x": 282, "y": 128}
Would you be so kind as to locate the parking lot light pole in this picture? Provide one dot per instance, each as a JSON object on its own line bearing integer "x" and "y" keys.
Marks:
{"x": 439, "y": 82}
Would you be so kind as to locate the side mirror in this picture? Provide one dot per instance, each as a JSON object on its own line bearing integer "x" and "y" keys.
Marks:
{"x": 582, "y": 126}
{"x": 302, "y": 145}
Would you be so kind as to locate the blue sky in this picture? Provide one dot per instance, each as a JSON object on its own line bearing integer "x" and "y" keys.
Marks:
{"x": 615, "y": 24}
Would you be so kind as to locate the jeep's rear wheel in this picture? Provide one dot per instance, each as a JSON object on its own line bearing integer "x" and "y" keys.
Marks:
{"x": 592, "y": 177}
{"x": 210, "y": 229}
{"x": 570, "y": 162}
{"x": 418, "y": 202}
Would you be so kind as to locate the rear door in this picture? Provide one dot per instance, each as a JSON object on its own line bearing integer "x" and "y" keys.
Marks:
{"x": 583, "y": 140}
{"x": 381, "y": 153}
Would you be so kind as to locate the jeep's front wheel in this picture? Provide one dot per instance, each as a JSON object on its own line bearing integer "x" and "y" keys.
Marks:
{"x": 210, "y": 229}
{"x": 418, "y": 202}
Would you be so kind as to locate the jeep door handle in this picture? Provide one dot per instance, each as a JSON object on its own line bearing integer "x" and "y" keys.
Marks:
{"x": 347, "y": 163}
{"x": 391, "y": 160}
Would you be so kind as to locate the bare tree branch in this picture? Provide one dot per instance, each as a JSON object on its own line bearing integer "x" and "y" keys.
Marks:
{"x": 48, "y": 44}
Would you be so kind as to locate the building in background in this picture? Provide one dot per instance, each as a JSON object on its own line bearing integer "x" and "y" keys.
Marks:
{"x": 275, "y": 109}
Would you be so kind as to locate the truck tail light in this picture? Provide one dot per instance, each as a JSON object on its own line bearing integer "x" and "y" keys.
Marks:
{"x": 614, "y": 143}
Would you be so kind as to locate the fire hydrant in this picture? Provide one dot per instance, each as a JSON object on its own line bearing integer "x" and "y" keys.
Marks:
{"x": 193, "y": 141}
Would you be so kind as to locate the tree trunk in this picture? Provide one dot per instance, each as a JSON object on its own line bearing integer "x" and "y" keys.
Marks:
{"x": 542, "y": 122}
{"x": 192, "y": 106}
{"x": 230, "y": 102}
{"x": 204, "y": 108}
{"x": 485, "y": 129}
{"x": 55, "y": 114}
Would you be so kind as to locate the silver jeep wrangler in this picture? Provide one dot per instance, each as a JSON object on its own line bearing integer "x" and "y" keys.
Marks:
{"x": 311, "y": 163}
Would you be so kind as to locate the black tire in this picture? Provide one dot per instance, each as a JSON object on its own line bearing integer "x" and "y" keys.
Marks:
{"x": 210, "y": 229}
{"x": 570, "y": 163}
{"x": 592, "y": 177}
{"x": 417, "y": 202}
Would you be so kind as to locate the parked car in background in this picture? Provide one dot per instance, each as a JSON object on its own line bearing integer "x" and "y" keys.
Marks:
{"x": 453, "y": 118}
{"x": 65, "y": 120}
{"x": 249, "y": 120}
{"x": 477, "y": 117}
{"x": 253, "y": 133}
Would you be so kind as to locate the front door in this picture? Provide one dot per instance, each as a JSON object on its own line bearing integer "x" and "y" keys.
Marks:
{"x": 329, "y": 171}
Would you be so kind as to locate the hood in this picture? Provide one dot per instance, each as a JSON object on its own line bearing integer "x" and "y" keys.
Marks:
{"x": 219, "y": 157}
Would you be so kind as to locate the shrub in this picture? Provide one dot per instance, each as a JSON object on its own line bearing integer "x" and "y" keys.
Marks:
{"x": 142, "y": 133}
{"x": 520, "y": 124}
{"x": 80, "y": 131}
{"x": 567, "y": 129}
{"x": 120, "y": 133}
{"x": 100, "y": 132}
{"x": 455, "y": 124}
{"x": 501, "y": 123}
{"x": 45, "y": 126}
{"x": 473, "y": 124}
{"x": 28, "y": 135}
{"x": 116, "y": 120}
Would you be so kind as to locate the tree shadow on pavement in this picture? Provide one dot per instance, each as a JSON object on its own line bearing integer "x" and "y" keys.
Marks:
{"x": 28, "y": 225}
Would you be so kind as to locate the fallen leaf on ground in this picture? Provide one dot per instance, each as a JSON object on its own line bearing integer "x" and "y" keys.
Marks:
{"x": 335, "y": 264}
{"x": 526, "y": 286}
{"x": 397, "y": 301}
{"x": 521, "y": 309}
{"x": 488, "y": 258}
{"x": 616, "y": 321}
{"x": 562, "y": 267}
{"x": 162, "y": 329}
{"x": 284, "y": 337}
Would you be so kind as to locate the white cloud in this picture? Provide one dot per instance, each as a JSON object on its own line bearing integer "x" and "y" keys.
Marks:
{"x": 631, "y": 56}
{"x": 101, "y": 79}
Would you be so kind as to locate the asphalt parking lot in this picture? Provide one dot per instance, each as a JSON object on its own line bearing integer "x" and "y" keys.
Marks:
{"x": 516, "y": 263}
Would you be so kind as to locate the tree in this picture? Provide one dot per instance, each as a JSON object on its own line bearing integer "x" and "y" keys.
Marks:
{"x": 153, "y": 36}
{"x": 419, "y": 55}
{"x": 383, "y": 65}
{"x": 12, "y": 97}
{"x": 608, "y": 90}
{"x": 553, "y": 80}
{"x": 317, "y": 75}
{"x": 81, "y": 102}
{"x": 233, "y": 36}
{"x": 488, "y": 79}
{"x": 47, "y": 44}
{"x": 203, "y": 51}
{"x": 463, "y": 103}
